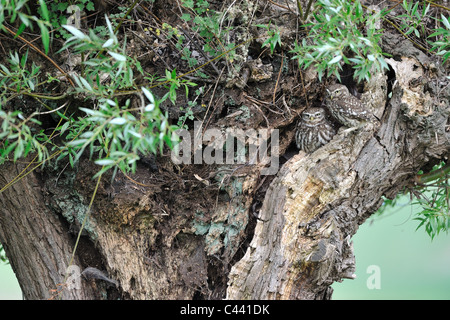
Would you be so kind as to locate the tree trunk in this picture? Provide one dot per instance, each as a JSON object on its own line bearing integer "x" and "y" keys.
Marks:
{"x": 36, "y": 239}
{"x": 316, "y": 203}
{"x": 188, "y": 231}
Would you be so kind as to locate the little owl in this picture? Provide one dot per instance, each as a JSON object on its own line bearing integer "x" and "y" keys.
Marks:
{"x": 313, "y": 130}
{"x": 346, "y": 108}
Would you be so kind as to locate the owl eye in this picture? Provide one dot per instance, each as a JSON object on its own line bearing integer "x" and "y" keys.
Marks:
{"x": 317, "y": 114}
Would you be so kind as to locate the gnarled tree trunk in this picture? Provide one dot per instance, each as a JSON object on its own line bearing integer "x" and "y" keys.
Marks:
{"x": 316, "y": 203}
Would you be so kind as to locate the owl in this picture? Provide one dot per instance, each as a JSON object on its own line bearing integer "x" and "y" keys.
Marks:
{"x": 313, "y": 130}
{"x": 346, "y": 108}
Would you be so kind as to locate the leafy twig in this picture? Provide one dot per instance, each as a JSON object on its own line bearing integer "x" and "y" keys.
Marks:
{"x": 433, "y": 175}
{"x": 42, "y": 54}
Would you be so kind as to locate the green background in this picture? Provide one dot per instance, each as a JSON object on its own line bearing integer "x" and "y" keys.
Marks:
{"x": 9, "y": 287}
{"x": 411, "y": 265}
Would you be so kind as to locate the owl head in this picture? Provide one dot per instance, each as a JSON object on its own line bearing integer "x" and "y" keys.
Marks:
{"x": 313, "y": 115}
{"x": 336, "y": 90}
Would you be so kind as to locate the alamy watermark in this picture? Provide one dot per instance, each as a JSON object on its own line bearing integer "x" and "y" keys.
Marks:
{"x": 73, "y": 281}
{"x": 227, "y": 146}
{"x": 374, "y": 280}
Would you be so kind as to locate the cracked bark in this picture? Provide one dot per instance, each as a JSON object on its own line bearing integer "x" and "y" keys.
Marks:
{"x": 35, "y": 239}
{"x": 316, "y": 203}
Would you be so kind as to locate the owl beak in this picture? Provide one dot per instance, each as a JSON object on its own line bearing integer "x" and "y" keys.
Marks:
{"x": 311, "y": 118}
{"x": 329, "y": 93}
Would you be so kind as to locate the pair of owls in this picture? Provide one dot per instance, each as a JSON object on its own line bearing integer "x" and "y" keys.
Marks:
{"x": 314, "y": 130}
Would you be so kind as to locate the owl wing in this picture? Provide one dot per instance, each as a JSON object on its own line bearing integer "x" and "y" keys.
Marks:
{"x": 351, "y": 107}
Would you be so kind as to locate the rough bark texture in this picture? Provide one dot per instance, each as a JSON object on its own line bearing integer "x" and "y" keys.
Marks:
{"x": 192, "y": 234}
{"x": 301, "y": 243}
{"x": 36, "y": 239}
{"x": 316, "y": 203}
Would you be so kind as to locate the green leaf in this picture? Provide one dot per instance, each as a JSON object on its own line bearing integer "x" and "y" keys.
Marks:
{"x": 86, "y": 84}
{"x": 446, "y": 56}
{"x": 108, "y": 43}
{"x": 19, "y": 150}
{"x": 90, "y": 111}
{"x": 20, "y": 30}
{"x": 426, "y": 10}
{"x": 118, "y": 121}
{"x": 23, "y": 60}
{"x": 437, "y": 33}
{"x": 76, "y": 33}
{"x": 44, "y": 10}
{"x": 104, "y": 162}
{"x": 118, "y": 56}
{"x": 23, "y": 17}
{"x": 64, "y": 127}
{"x": 31, "y": 84}
{"x": 335, "y": 59}
{"x": 9, "y": 149}
{"x": 77, "y": 142}
{"x": 445, "y": 21}
{"x": 87, "y": 135}
{"x": 136, "y": 134}
{"x": 62, "y": 6}
{"x": 45, "y": 36}
{"x": 90, "y": 6}
{"x": 108, "y": 23}
{"x": 5, "y": 69}
{"x": 111, "y": 103}
{"x": 188, "y": 4}
{"x": 149, "y": 95}
{"x": 186, "y": 17}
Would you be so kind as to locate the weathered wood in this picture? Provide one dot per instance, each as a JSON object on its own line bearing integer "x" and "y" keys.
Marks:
{"x": 316, "y": 203}
{"x": 36, "y": 240}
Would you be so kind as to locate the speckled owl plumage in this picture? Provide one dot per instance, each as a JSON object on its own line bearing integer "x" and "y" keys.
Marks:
{"x": 313, "y": 130}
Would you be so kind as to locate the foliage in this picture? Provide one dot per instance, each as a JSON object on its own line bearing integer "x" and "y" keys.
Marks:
{"x": 118, "y": 133}
{"x": 412, "y": 20}
{"x": 3, "y": 257}
{"x": 335, "y": 36}
{"x": 16, "y": 129}
{"x": 442, "y": 45}
{"x": 12, "y": 9}
{"x": 103, "y": 74}
{"x": 434, "y": 199}
{"x": 112, "y": 130}
{"x": 17, "y": 76}
{"x": 58, "y": 10}
{"x": 273, "y": 39}
{"x": 172, "y": 83}
{"x": 19, "y": 138}
{"x": 207, "y": 23}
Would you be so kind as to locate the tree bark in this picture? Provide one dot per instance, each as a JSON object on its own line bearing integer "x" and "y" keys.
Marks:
{"x": 316, "y": 203}
{"x": 36, "y": 239}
